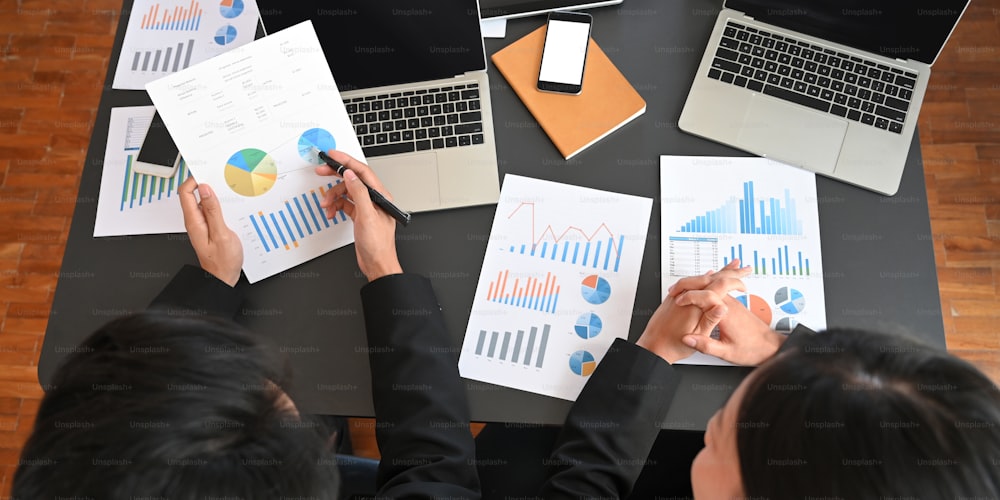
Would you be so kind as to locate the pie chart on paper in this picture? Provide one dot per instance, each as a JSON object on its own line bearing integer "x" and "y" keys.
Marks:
{"x": 582, "y": 363}
{"x": 757, "y": 305}
{"x": 317, "y": 138}
{"x": 231, "y": 8}
{"x": 595, "y": 289}
{"x": 790, "y": 300}
{"x": 226, "y": 35}
{"x": 588, "y": 325}
{"x": 251, "y": 172}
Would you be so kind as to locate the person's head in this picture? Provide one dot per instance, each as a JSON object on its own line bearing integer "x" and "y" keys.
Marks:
{"x": 157, "y": 406}
{"x": 854, "y": 414}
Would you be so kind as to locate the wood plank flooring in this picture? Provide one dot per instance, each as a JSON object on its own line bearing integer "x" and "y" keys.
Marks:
{"x": 53, "y": 59}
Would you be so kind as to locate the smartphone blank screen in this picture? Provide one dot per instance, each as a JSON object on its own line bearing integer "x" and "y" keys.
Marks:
{"x": 564, "y": 53}
{"x": 158, "y": 147}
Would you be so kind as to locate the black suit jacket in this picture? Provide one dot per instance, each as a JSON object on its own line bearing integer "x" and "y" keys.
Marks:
{"x": 421, "y": 409}
{"x": 611, "y": 427}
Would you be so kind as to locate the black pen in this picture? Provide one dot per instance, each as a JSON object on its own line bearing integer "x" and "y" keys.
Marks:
{"x": 383, "y": 203}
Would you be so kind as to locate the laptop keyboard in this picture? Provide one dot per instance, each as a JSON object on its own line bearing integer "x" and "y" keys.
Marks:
{"x": 417, "y": 120}
{"x": 861, "y": 90}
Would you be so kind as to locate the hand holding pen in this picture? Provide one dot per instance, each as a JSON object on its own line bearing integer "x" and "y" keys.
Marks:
{"x": 374, "y": 229}
{"x": 377, "y": 197}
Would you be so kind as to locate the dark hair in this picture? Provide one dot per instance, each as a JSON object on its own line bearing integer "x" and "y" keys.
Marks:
{"x": 855, "y": 414}
{"x": 178, "y": 407}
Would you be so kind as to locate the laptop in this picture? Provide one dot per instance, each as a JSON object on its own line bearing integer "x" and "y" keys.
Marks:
{"x": 511, "y": 9}
{"x": 830, "y": 86}
{"x": 412, "y": 74}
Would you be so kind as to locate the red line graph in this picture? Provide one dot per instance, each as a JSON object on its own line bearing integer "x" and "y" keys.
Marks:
{"x": 536, "y": 238}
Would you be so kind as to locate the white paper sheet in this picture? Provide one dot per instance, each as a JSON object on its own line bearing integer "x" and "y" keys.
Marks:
{"x": 133, "y": 203}
{"x": 166, "y": 36}
{"x": 715, "y": 209}
{"x": 246, "y": 122}
{"x": 557, "y": 286}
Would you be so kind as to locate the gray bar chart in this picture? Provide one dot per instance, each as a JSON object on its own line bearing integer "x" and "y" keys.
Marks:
{"x": 160, "y": 61}
{"x": 498, "y": 346}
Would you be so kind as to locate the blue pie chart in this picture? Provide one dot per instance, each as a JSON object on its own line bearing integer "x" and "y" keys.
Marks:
{"x": 790, "y": 300}
{"x": 317, "y": 138}
{"x": 231, "y": 8}
{"x": 582, "y": 363}
{"x": 595, "y": 289}
{"x": 226, "y": 35}
{"x": 588, "y": 325}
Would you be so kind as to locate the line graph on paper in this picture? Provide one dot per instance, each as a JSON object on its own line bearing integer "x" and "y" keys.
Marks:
{"x": 596, "y": 248}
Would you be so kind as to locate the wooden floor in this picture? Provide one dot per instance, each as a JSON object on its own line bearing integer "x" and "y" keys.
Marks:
{"x": 52, "y": 68}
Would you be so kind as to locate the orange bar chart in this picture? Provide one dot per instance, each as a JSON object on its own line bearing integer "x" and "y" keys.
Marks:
{"x": 527, "y": 292}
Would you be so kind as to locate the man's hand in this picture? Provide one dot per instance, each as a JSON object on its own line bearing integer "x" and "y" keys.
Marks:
{"x": 374, "y": 230}
{"x": 218, "y": 248}
{"x": 672, "y": 322}
{"x": 743, "y": 338}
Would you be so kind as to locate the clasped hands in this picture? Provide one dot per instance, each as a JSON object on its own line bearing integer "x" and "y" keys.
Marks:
{"x": 695, "y": 306}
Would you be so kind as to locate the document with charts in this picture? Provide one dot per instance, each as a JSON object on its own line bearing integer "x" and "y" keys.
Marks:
{"x": 131, "y": 202}
{"x": 757, "y": 210}
{"x": 248, "y": 123}
{"x": 557, "y": 287}
{"x": 166, "y": 36}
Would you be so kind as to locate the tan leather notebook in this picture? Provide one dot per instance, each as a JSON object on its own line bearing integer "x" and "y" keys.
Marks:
{"x": 572, "y": 122}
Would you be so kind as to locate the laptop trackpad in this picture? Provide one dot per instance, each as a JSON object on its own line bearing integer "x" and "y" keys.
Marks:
{"x": 411, "y": 179}
{"x": 792, "y": 134}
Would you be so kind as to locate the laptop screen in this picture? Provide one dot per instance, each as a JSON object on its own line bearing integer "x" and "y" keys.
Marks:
{"x": 370, "y": 43}
{"x": 900, "y": 29}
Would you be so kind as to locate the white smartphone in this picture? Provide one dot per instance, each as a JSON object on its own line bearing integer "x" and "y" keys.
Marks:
{"x": 158, "y": 154}
{"x": 564, "y": 55}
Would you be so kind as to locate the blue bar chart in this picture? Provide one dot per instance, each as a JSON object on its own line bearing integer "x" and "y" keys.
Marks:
{"x": 299, "y": 218}
{"x": 748, "y": 215}
{"x": 525, "y": 347}
{"x": 781, "y": 262}
{"x": 600, "y": 254}
{"x": 140, "y": 189}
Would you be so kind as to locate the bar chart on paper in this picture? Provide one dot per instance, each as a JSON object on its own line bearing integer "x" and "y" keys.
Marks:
{"x": 749, "y": 215}
{"x": 297, "y": 219}
{"x": 162, "y": 17}
{"x": 522, "y": 347}
{"x": 564, "y": 258}
{"x": 167, "y": 36}
{"x": 131, "y": 202}
{"x": 528, "y": 292}
{"x": 754, "y": 210}
{"x": 596, "y": 248}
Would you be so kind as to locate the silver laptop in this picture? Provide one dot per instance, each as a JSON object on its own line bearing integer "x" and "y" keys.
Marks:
{"x": 413, "y": 77}
{"x": 829, "y": 86}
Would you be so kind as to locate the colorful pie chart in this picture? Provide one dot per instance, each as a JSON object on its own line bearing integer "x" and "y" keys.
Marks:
{"x": 317, "y": 138}
{"x": 790, "y": 300}
{"x": 251, "y": 172}
{"x": 757, "y": 305}
{"x": 596, "y": 289}
{"x": 582, "y": 363}
{"x": 226, "y": 35}
{"x": 588, "y": 325}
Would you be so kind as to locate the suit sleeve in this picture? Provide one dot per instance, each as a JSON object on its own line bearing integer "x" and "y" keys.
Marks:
{"x": 799, "y": 334}
{"x": 611, "y": 427}
{"x": 194, "y": 291}
{"x": 421, "y": 407}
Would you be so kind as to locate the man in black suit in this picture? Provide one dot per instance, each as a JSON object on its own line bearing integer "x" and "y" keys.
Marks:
{"x": 165, "y": 404}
